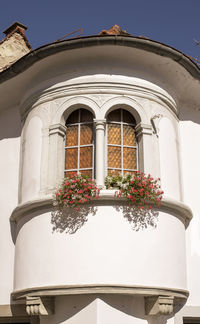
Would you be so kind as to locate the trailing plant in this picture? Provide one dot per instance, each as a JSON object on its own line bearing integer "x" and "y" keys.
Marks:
{"x": 75, "y": 190}
{"x": 142, "y": 191}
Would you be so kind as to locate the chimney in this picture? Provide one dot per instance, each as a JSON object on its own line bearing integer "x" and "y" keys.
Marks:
{"x": 14, "y": 45}
{"x": 15, "y": 27}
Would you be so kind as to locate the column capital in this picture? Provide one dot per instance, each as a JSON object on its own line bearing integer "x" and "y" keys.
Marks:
{"x": 100, "y": 121}
{"x": 57, "y": 129}
{"x": 142, "y": 129}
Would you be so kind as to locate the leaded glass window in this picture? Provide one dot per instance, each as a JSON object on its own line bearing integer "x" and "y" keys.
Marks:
{"x": 79, "y": 146}
{"x": 121, "y": 143}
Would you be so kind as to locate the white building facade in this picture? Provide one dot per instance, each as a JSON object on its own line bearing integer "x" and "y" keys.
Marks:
{"x": 99, "y": 267}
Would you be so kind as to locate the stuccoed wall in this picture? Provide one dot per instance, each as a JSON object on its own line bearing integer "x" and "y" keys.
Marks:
{"x": 10, "y": 130}
{"x": 102, "y": 249}
{"x": 190, "y": 157}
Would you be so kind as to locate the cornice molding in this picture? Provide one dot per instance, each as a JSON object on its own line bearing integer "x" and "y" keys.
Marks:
{"x": 49, "y": 291}
{"x": 158, "y": 300}
{"x": 171, "y": 206}
{"x": 102, "y": 88}
{"x": 147, "y": 45}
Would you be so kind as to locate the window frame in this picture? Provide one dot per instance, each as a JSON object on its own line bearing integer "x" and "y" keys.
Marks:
{"x": 79, "y": 146}
{"x": 122, "y": 146}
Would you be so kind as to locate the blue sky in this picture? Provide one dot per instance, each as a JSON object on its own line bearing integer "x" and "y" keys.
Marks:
{"x": 173, "y": 22}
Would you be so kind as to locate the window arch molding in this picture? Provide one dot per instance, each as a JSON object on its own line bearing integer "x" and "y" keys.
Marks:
{"x": 68, "y": 106}
{"x": 128, "y": 104}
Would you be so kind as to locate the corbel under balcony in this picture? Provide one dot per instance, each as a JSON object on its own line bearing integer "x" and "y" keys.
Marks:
{"x": 159, "y": 305}
{"x": 36, "y": 306}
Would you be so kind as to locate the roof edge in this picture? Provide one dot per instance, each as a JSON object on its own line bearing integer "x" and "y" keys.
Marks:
{"x": 88, "y": 41}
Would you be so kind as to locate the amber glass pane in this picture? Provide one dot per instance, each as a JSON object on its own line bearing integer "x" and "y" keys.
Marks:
{"x": 86, "y": 157}
{"x": 129, "y": 135}
{"x": 128, "y": 118}
{"x": 129, "y": 172}
{"x": 73, "y": 117}
{"x": 86, "y": 115}
{"x": 69, "y": 173}
{"x": 114, "y": 115}
{"x": 72, "y": 136}
{"x": 114, "y": 157}
{"x": 86, "y": 134}
{"x": 112, "y": 172}
{"x": 71, "y": 157}
{"x": 114, "y": 134}
{"x": 86, "y": 172}
{"x": 129, "y": 158}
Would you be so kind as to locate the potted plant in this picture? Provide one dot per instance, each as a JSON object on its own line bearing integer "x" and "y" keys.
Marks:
{"x": 75, "y": 190}
{"x": 142, "y": 191}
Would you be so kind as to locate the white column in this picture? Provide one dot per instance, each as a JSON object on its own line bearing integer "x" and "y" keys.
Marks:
{"x": 146, "y": 164}
{"x": 100, "y": 150}
{"x": 56, "y": 155}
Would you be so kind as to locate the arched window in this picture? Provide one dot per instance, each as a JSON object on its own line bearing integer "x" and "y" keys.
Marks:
{"x": 79, "y": 146}
{"x": 121, "y": 143}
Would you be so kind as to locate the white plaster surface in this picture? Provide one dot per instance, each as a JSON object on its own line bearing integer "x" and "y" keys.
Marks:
{"x": 105, "y": 250}
{"x": 169, "y": 159}
{"x": 9, "y": 175}
{"x": 31, "y": 155}
{"x": 189, "y": 134}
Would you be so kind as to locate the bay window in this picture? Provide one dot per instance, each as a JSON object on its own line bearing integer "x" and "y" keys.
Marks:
{"x": 119, "y": 150}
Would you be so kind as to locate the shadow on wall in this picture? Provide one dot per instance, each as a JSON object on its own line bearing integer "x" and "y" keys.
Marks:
{"x": 10, "y": 123}
{"x": 130, "y": 305}
{"x": 139, "y": 219}
{"x": 69, "y": 221}
{"x": 189, "y": 115}
{"x": 108, "y": 307}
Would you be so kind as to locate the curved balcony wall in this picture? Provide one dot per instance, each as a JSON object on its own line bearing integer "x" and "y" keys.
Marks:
{"x": 83, "y": 249}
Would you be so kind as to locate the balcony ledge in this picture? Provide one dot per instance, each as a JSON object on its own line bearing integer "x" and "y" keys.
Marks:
{"x": 169, "y": 205}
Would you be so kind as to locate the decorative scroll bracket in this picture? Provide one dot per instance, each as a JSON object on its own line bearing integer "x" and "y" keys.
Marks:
{"x": 161, "y": 305}
{"x": 36, "y": 306}
{"x": 155, "y": 123}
